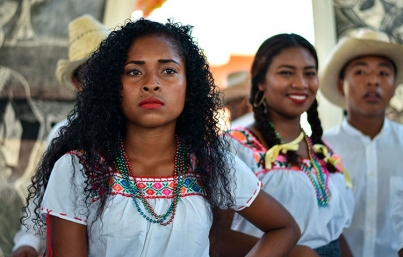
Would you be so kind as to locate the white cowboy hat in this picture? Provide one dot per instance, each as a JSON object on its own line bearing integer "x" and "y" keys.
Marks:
{"x": 360, "y": 43}
{"x": 85, "y": 35}
{"x": 237, "y": 86}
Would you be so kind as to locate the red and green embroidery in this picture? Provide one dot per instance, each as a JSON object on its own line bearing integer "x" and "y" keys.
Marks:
{"x": 247, "y": 139}
{"x": 151, "y": 187}
{"x": 158, "y": 187}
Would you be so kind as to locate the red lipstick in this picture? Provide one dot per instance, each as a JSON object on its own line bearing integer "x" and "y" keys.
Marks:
{"x": 151, "y": 103}
{"x": 298, "y": 98}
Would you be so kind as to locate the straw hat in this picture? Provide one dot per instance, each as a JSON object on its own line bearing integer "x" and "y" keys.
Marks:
{"x": 361, "y": 42}
{"x": 85, "y": 35}
{"x": 238, "y": 86}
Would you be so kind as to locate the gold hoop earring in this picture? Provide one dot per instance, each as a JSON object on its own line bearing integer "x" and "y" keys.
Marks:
{"x": 258, "y": 103}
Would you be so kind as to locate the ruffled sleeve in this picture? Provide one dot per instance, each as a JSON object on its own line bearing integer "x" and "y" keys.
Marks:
{"x": 245, "y": 186}
{"x": 64, "y": 196}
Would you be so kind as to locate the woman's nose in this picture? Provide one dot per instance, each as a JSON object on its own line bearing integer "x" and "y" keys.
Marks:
{"x": 299, "y": 82}
{"x": 151, "y": 84}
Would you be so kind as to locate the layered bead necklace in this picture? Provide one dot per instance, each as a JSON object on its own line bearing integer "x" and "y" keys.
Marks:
{"x": 181, "y": 166}
{"x": 322, "y": 176}
{"x": 320, "y": 182}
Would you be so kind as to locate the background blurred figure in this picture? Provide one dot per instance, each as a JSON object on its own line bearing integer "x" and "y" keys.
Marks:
{"x": 396, "y": 214}
{"x": 236, "y": 98}
{"x": 360, "y": 75}
{"x": 85, "y": 35}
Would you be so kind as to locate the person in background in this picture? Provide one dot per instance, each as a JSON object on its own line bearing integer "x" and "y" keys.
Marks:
{"x": 140, "y": 169}
{"x": 85, "y": 35}
{"x": 396, "y": 214}
{"x": 298, "y": 170}
{"x": 360, "y": 76}
{"x": 236, "y": 98}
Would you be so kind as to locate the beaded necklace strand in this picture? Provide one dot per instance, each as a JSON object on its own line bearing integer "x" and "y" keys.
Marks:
{"x": 322, "y": 177}
{"x": 320, "y": 183}
{"x": 181, "y": 166}
{"x": 276, "y": 132}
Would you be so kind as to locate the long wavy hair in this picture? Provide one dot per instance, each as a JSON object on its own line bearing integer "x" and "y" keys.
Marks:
{"x": 97, "y": 119}
{"x": 270, "y": 48}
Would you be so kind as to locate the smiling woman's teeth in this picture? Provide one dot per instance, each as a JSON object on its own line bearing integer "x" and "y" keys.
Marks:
{"x": 298, "y": 97}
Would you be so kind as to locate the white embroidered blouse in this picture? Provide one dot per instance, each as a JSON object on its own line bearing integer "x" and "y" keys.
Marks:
{"x": 289, "y": 185}
{"x": 123, "y": 231}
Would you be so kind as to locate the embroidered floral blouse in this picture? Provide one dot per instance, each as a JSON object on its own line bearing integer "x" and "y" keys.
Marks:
{"x": 289, "y": 185}
{"x": 123, "y": 231}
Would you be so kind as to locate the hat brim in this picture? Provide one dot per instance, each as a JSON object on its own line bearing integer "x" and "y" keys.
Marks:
{"x": 234, "y": 93}
{"x": 348, "y": 49}
{"x": 65, "y": 69}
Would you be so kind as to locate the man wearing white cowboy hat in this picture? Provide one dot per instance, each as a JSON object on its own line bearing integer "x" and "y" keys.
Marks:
{"x": 85, "y": 35}
{"x": 360, "y": 76}
{"x": 235, "y": 96}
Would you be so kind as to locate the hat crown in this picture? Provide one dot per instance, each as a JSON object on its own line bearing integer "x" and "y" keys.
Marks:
{"x": 368, "y": 34}
{"x": 85, "y": 35}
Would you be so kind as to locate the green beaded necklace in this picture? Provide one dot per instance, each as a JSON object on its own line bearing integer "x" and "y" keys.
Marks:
{"x": 321, "y": 181}
{"x": 181, "y": 166}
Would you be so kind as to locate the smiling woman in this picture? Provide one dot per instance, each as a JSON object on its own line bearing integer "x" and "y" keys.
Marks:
{"x": 141, "y": 169}
{"x": 298, "y": 170}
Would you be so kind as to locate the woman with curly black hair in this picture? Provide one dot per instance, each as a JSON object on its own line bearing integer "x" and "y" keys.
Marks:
{"x": 140, "y": 169}
{"x": 300, "y": 171}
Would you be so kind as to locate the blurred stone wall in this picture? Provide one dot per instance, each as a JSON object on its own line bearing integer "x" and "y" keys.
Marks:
{"x": 33, "y": 36}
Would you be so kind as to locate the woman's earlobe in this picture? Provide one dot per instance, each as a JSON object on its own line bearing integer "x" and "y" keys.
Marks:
{"x": 260, "y": 86}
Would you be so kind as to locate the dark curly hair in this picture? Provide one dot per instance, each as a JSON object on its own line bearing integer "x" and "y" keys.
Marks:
{"x": 270, "y": 48}
{"x": 97, "y": 119}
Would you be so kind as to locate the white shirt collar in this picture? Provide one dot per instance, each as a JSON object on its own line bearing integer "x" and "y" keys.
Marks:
{"x": 350, "y": 130}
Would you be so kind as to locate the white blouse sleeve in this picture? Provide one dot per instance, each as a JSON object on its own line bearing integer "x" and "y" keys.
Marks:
{"x": 245, "y": 186}
{"x": 245, "y": 154}
{"x": 64, "y": 196}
